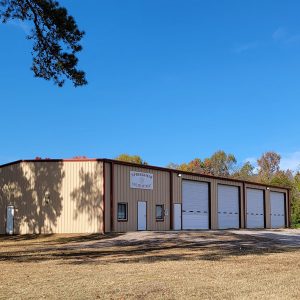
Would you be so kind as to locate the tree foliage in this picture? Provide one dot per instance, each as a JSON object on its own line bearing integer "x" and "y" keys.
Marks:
{"x": 245, "y": 172}
{"x": 196, "y": 165}
{"x": 220, "y": 164}
{"x": 136, "y": 159}
{"x": 56, "y": 38}
{"x": 268, "y": 165}
{"x": 295, "y": 199}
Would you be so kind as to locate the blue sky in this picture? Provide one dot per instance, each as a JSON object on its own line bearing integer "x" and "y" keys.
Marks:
{"x": 169, "y": 80}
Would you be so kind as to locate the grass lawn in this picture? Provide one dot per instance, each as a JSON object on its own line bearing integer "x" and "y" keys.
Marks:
{"x": 199, "y": 265}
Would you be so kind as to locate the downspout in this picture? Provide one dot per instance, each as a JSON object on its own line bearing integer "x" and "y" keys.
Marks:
{"x": 104, "y": 198}
{"x": 288, "y": 215}
{"x": 244, "y": 205}
{"x": 112, "y": 197}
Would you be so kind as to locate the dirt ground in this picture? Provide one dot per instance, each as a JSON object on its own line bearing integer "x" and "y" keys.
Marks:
{"x": 152, "y": 265}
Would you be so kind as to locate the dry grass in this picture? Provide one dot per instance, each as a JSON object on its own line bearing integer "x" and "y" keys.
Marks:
{"x": 201, "y": 265}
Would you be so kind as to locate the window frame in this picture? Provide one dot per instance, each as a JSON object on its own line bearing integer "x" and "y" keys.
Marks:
{"x": 126, "y": 212}
{"x": 162, "y": 219}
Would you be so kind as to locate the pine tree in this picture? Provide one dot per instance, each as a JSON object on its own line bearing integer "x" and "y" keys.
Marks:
{"x": 55, "y": 35}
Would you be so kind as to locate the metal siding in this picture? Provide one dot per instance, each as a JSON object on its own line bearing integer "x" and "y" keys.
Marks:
{"x": 267, "y": 200}
{"x": 177, "y": 186}
{"x": 75, "y": 190}
{"x": 177, "y": 198}
{"x": 10, "y": 190}
{"x": 22, "y": 182}
{"x": 107, "y": 197}
{"x": 214, "y": 211}
{"x": 159, "y": 195}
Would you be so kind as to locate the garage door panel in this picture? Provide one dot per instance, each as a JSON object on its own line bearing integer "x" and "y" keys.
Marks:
{"x": 195, "y": 221}
{"x": 255, "y": 208}
{"x": 277, "y": 203}
{"x": 228, "y": 207}
{"x": 195, "y": 208}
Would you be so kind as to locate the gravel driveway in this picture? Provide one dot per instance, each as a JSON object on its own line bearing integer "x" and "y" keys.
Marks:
{"x": 289, "y": 237}
{"x": 226, "y": 238}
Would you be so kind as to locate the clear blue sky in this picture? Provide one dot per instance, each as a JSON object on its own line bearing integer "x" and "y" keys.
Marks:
{"x": 169, "y": 80}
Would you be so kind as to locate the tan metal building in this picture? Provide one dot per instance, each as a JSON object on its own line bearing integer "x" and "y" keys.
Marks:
{"x": 102, "y": 195}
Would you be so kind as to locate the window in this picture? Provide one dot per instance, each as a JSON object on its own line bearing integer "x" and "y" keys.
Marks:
{"x": 159, "y": 212}
{"x": 122, "y": 211}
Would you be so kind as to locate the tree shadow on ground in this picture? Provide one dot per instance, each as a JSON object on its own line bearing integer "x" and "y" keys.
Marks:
{"x": 113, "y": 248}
{"x": 45, "y": 240}
{"x": 23, "y": 238}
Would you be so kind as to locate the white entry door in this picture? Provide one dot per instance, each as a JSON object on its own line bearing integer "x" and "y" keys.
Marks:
{"x": 255, "y": 208}
{"x": 195, "y": 210}
{"x": 10, "y": 212}
{"x": 142, "y": 215}
{"x": 177, "y": 216}
{"x": 228, "y": 207}
{"x": 277, "y": 202}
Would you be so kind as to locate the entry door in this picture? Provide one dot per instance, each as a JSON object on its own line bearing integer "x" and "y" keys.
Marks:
{"x": 10, "y": 212}
{"x": 142, "y": 215}
{"x": 195, "y": 211}
{"x": 255, "y": 208}
{"x": 228, "y": 207}
{"x": 277, "y": 210}
{"x": 177, "y": 216}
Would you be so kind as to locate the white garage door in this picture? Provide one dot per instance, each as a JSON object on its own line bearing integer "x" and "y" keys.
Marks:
{"x": 195, "y": 212}
{"x": 255, "y": 208}
{"x": 277, "y": 202}
{"x": 228, "y": 207}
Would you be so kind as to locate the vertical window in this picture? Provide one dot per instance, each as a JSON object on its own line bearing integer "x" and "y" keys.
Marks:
{"x": 160, "y": 215}
{"x": 122, "y": 211}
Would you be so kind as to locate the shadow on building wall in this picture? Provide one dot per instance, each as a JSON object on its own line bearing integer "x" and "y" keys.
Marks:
{"x": 34, "y": 189}
{"x": 88, "y": 195}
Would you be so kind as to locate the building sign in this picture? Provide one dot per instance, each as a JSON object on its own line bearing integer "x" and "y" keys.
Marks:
{"x": 140, "y": 180}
